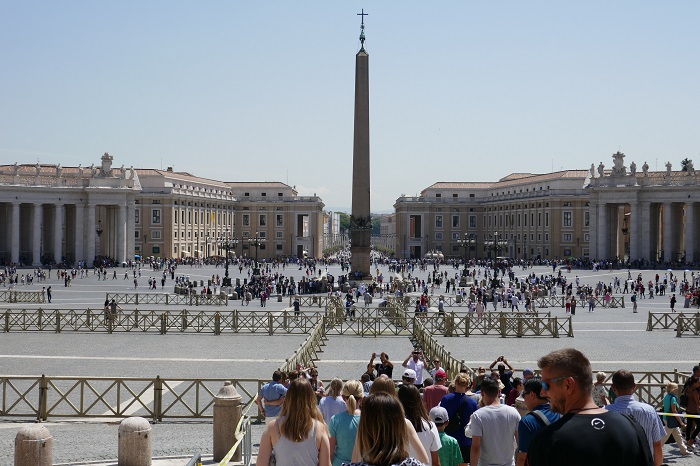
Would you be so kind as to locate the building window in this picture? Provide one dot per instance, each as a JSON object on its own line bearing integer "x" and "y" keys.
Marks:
{"x": 568, "y": 218}
{"x": 137, "y": 234}
{"x": 155, "y": 213}
{"x": 189, "y": 217}
{"x": 155, "y": 234}
{"x": 263, "y": 220}
{"x": 472, "y": 221}
{"x": 586, "y": 237}
{"x": 438, "y": 235}
{"x": 566, "y": 237}
{"x": 279, "y": 234}
{"x": 438, "y": 221}
{"x": 455, "y": 236}
{"x": 246, "y": 220}
{"x": 280, "y": 220}
{"x": 262, "y": 234}
{"x": 455, "y": 221}
{"x": 586, "y": 219}
{"x": 279, "y": 247}
{"x": 156, "y": 249}
{"x": 539, "y": 219}
{"x": 546, "y": 219}
{"x": 438, "y": 195}
{"x": 137, "y": 216}
{"x": 175, "y": 234}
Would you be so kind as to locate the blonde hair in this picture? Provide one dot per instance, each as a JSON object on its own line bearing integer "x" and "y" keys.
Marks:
{"x": 383, "y": 385}
{"x": 352, "y": 391}
{"x": 335, "y": 387}
{"x": 382, "y": 437}
{"x": 299, "y": 411}
{"x": 462, "y": 380}
{"x": 600, "y": 376}
{"x": 671, "y": 386}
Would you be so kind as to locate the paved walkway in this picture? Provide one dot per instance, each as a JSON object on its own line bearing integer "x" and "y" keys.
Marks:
{"x": 612, "y": 338}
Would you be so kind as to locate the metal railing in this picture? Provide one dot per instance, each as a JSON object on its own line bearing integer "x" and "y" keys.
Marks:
{"x": 169, "y": 299}
{"x": 689, "y": 324}
{"x": 308, "y": 351}
{"x": 216, "y": 322}
{"x": 18, "y": 296}
{"x": 433, "y": 349}
{"x": 671, "y": 320}
{"x": 116, "y": 397}
{"x": 315, "y": 300}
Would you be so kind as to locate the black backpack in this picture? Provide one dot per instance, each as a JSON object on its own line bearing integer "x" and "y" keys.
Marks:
{"x": 455, "y": 424}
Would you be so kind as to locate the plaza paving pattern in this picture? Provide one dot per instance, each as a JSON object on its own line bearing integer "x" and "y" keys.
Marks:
{"x": 612, "y": 339}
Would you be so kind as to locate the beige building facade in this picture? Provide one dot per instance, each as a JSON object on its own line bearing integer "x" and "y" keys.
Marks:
{"x": 521, "y": 216}
{"x": 69, "y": 214}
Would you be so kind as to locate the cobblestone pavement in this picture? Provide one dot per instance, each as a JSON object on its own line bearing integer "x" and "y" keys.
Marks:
{"x": 612, "y": 339}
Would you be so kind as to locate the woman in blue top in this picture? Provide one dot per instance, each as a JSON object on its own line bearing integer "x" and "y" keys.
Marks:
{"x": 343, "y": 426}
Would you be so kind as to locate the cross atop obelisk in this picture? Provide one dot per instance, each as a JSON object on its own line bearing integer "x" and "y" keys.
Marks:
{"x": 360, "y": 220}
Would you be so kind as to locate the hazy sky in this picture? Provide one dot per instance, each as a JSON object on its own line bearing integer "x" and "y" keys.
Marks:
{"x": 263, "y": 91}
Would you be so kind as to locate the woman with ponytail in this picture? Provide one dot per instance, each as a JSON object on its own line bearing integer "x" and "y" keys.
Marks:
{"x": 333, "y": 403}
{"x": 343, "y": 426}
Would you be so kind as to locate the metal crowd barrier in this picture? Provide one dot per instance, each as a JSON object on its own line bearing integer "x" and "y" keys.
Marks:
{"x": 689, "y": 324}
{"x": 168, "y": 299}
{"x": 217, "y": 322}
{"x": 308, "y": 351}
{"x": 680, "y": 321}
{"x": 157, "y": 398}
{"x": 18, "y": 296}
{"x": 308, "y": 300}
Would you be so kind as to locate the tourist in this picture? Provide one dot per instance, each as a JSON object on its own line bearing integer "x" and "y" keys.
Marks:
{"x": 272, "y": 393}
{"x": 647, "y": 417}
{"x": 586, "y": 434}
{"x": 415, "y": 362}
{"x": 380, "y": 440}
{"x": 343, "y": 426}
{"x": 415, "y": 412}
{"x": 299, "y": 436}
{"x": 494, "y": 428}
{"x": 692, "y": 389}
{"x": 539, "y": 415}
{"x": 433, "y": 395}
{"x": 449, "y": 453}
{"x": 460, "y": 408}
{"x": 674, "y": 422}
{"x": 600, "y": 396}
{"x": 333, "y": 403}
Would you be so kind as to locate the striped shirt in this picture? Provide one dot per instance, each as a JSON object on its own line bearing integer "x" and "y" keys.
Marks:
{"x": 644, "y": 414}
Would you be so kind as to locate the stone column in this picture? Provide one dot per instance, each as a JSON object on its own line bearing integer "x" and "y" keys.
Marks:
{"x": 592, "y": 231}
{"x": 79, "y": 232}
{"x": 634, "y": 230}
{"x": 14, "y": 234}
{"x": 130, "y": 228}
{"x": 34, "y": 445}
{"x": 644, "y": 230}
{"x": 58, "y": 233}
{"x": 121, "y": 234}
{"x": 689, "y": 231}
{"x": 36, "y": 234}
{"x": 668, "y": 231}
{"x": 603, "y": 232}
{"x": 90, "y": 235}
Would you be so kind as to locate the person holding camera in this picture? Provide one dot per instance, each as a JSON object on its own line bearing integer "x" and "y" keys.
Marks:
{"x": 503, "y": 374}
{"x": 416, "y": 362}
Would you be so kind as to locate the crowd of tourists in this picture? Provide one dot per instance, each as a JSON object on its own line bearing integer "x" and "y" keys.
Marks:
{"x": 554, "y": 416}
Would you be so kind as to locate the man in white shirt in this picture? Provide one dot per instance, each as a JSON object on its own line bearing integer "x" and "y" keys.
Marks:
{"x": 415, "y": 362}
{"x": 501, "y": 423}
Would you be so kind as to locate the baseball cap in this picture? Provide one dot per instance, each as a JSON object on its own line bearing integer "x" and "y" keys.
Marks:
{"x": 409, "y": 374}
{"x": 528, "y": 371}
{"x": 440, "y": 374}
{"x": 439, "y": 415}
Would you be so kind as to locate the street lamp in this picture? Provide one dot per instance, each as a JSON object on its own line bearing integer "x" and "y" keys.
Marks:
{"x": 226, "y": 242}
{"x": 256, "y": 242}
{"x": 467, "y": 243}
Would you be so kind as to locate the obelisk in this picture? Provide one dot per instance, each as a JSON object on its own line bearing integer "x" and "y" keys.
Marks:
{"x": 360, "y": 221}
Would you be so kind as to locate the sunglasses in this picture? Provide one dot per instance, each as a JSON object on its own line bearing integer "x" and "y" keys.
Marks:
{"x": 546, "y": 383}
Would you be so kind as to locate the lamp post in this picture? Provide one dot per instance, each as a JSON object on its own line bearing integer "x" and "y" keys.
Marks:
{"x": 225, "y": 241}
{"x": 467, "y": 243}
{"x": 255, "y": 242}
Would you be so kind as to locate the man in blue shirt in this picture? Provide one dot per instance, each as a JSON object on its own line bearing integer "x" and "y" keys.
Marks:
{"x": 273, "y": 394}
{"x": 623, "y": 385}
{"x": 539, "y": 416}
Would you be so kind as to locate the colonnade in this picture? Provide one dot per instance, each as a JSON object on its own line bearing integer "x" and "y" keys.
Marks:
{"x": 640, "y": 229}
{"x": 39, "y": 232}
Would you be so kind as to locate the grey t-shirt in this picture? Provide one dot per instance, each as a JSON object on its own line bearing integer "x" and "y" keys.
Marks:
{"x": 496, "y": 425}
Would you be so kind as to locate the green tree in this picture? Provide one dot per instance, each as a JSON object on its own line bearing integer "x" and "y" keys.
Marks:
{"x": 376, "y": 226}
{"x": 344, "y": 221}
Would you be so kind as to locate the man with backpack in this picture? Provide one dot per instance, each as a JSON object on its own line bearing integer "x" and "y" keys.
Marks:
{"x": 540, "y": 415}
{"x": 460, "y": 407}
